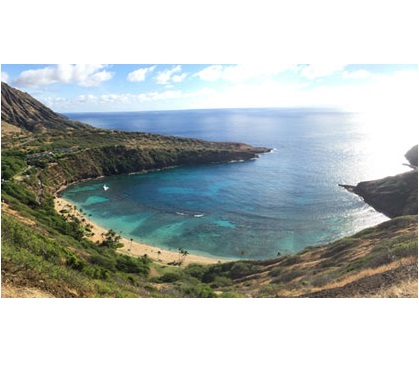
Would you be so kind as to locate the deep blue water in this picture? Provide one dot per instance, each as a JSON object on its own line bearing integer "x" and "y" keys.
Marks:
{"x": 281, "y": 202}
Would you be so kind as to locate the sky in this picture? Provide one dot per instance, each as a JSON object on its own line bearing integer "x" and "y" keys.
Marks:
{"x": 144, "y": 87}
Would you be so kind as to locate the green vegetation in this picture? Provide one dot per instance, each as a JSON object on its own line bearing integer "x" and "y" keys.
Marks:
{"x": 29, "y": 253}
{"x": 49, "y": 250}
{"x": 52, "y": 251}
{"x": 12, "y": 163}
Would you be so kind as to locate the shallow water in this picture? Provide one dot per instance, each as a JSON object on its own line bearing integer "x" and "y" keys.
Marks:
{"x": 281, "y": 202}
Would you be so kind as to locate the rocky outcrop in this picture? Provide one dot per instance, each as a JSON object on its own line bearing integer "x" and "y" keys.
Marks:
{"x": 393, "y": 195}
{"x": 412, "y": 156}
{"x": 22, "y": 110}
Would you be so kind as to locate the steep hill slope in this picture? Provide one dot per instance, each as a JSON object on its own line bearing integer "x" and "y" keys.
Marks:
{"x": 22, "y": 110}
{"x": 370, "y": 263}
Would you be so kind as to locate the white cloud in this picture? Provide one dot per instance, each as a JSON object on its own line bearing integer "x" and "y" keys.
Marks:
{"x": 5, "y": 77}
{"x": 140, "y": 74}
{"x": 179, "y": 78}
{"x": 130, "y": 99}
{"x": 210, "y": 73}
{"x": 154, "y": 95}
{"x": 95, "y": 79}
{"x": 170, "y": 75}
{"x": 359, "y": 74}
{"x": 52, "y": 102}
{"x": 86, "y": 98}
{"x": 240, "y": 73}
{"x": 82, "y": 75}
{"x": 317, "y": 71}
{"x": 266, "y": 94}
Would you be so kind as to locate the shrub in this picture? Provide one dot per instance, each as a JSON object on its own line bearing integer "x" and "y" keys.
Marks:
{"x": 196, "y": 271}
{"x": 74, "y": 262}
{"x": 199, "y": 291}
{"x": 220, "y": 281}
{"x": 240, "y": 269}
{"x": 133, "y": 265}
{"x": 170, "y": 277}
{"x": 103, "y": 261}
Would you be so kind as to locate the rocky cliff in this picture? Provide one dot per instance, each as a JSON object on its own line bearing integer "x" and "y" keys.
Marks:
{"x": 112, "y": 160}
{"x": 412, "y": 156}
{"x": 393, "y": 196}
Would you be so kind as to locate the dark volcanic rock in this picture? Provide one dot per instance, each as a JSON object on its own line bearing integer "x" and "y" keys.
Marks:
{"x": 412, "y": 156}
{"x": 22, "y": 110}
{"x": 393, "y": 195}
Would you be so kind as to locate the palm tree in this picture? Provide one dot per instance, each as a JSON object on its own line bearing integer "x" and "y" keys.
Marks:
{"x": 182, "y": 255}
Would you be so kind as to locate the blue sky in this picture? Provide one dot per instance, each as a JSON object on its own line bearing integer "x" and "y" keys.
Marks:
{"x": 135, "y": 87}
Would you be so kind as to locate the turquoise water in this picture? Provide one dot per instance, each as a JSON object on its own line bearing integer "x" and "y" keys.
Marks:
{"x": 280, "y": 202}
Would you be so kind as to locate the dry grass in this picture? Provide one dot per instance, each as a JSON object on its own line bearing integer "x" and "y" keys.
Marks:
{"x": 367, "y": 272}
{"x": 11, "y": 291}
{"x": 7, "y": 129}
{"x": 5, "y": 208}
{"x": 406, "y": 289}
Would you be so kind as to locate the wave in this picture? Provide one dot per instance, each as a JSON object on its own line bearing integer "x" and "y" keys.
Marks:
{"x": 191, "y": 215}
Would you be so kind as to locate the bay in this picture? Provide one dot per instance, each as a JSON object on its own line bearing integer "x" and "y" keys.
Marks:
{"x": 279, "y": 203}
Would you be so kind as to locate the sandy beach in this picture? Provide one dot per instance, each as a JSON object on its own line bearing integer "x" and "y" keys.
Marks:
{"x": 134, "y": 248}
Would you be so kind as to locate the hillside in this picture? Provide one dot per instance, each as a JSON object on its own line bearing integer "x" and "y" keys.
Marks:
{"x": 50, "y": 254}
{"x": 22, "y": 110}
{"x": 377, "y": 261}
{"x": 56, "y": 151}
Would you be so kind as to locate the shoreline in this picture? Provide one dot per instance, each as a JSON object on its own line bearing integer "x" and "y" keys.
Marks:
{"x": 138, "y": 249}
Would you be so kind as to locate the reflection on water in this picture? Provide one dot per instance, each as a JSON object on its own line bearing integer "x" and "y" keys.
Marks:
{"x": 283, "y": 201}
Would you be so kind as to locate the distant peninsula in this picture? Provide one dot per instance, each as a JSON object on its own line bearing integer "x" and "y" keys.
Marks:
{"x": 70, "y": 151}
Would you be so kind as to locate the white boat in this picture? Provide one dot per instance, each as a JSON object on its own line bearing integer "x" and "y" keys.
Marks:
{"x": 105, "y": 187}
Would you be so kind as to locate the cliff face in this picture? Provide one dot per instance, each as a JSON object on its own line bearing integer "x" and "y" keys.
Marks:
{"x": 22, "y": 110}
{"x": 112, "y": 160}
{"x": 412, "y": 156}
{"x": 393, "y": 196}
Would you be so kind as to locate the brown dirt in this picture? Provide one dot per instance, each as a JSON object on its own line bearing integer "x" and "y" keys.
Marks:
{"x": 12, "y": 291}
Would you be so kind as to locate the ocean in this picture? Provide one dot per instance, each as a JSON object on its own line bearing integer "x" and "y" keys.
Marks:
{"x": 277, "y": 204}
